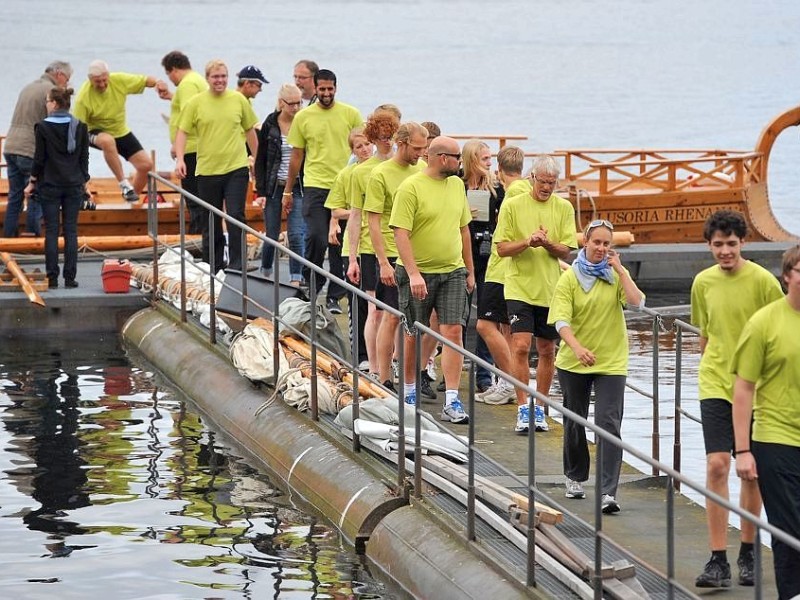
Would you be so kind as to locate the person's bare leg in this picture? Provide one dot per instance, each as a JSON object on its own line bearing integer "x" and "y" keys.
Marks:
{"x": 718, "y": 466}
{"x": 452, "y": 361}
{"x": 143, "y": 164}
{"x": 545, "y": 369}
{"x": 108, "y": 146}
{"x": 520, "y": 350}
{"x": 750, "y": 500}
{"x": 387, "y": 335}
{"x": 496, "y": 342}
{"x": 371, "y": 334}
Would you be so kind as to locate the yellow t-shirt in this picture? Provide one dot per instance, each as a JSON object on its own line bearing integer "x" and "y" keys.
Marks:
{"x": 358, "y": 187}
{"x": 191, "y": 85}
{"x": 532, "y": 274}
{"x": 105, "y": 111}
{"x": 323, "y": 134}
{"x": 721, "y": 305}
{"x": 339, "y": 198}
{"x": 768, "y": 354}
{"x": 381, "y": 187}
{"x": 596, "y": 319}
{"x": 496, "y": 267}
{"x": 433, "y": 211}
{"x": 220, "y": 123}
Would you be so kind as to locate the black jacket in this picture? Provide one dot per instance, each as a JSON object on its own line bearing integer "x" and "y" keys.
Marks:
{"x": 268, "y": 157}
{"x": 52, "y": 163}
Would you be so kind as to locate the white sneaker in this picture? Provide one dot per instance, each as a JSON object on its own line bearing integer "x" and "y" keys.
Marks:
{"x": 395, "y": 370}
{"x": 431, "y": 369}
{"x": 479, "y": 396}
{"x": 363, "y": 366}
{"x": 609, "y": 505}
{"x": 523, "y": 419}
{"x": 500, "y": 393}
{"x": 539, "y": 419}
{"x": 454, "y": 413}
{"x": 575, "y": 489}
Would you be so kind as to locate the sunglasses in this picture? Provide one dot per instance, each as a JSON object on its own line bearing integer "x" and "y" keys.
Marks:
{"x": 455, "y": 155}
{"x": 600, "y": 223}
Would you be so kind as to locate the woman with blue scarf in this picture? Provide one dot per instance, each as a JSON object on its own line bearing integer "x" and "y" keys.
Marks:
{"x": 587, "y": 310}
{"x": 59, "y": 175}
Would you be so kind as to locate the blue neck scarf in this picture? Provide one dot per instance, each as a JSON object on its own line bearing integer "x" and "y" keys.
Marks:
{"x": 63, "y": 116}
{"x": 588, "y": 272}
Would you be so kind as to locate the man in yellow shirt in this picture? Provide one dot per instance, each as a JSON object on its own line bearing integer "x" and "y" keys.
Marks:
{"x": 319, "y": 136}
{"x": 222, "y": 120}
{"x": 724, "y": 297}
{"x": 101, "y": 105}
{"x": 188, "y": 83}
{"x": 430, "y": 218}
{"x": 534, "y": 231}
{"x": 767, "y": 394}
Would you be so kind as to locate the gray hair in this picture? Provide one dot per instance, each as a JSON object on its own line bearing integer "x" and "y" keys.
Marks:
{"x": 545, "y": 164}
{"x": 287, "y": 88}
{"x": 97, "y": 68}
{"x": 59, "y": 66}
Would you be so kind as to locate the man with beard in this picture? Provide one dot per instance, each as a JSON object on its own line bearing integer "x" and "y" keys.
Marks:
{"x": 430, "y": 218}
{"x": 319, "y": 137}
{"x": 222, "y": 120}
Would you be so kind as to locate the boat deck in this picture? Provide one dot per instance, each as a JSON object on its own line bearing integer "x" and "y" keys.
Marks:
{"x": 640, "y": 528}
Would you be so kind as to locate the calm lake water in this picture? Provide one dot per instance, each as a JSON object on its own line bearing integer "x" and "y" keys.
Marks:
{"x": 111, "y": 484}
{"x": 582, "y": 74}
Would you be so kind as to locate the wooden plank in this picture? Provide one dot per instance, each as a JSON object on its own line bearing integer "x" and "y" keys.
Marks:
{"x": 575, "y": 553}
{"x": 13, "y": 268}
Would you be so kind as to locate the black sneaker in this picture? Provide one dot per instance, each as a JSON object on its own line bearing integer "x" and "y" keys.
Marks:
{"x": 441, "y": 387}
{"x": 746, "y": 564}
{"x": 716, "y": 574}
{"x": 425, "y": 386}
{"x": 389, "y": 386}
{"x": 332, "y": 304}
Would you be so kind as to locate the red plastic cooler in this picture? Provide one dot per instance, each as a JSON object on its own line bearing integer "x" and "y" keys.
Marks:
{"x": 116, "y": 276}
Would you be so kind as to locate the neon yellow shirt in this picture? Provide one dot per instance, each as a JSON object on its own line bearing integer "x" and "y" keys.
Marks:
{"x": 532, "y": 274}
{"x": 721, "y": 305}
{"x": 338, "y": 197}
{"x": 496, "y": 267}
{"x": 191, "y": 85}
{"x": 381, "y": 187}
{"x": 220, "y": 123}
{"x": 323, "y": 134}
{"x": 433, "y": 211}
{"x": 596, "y": 319}
{"x": 358, "y": 187}
{"x": 768, "y": 354}
{"x": 105, "y": 111}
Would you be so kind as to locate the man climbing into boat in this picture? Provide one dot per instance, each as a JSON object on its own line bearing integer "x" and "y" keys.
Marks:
{"x": 535, "y": 230}
{"x": 767, "y": 355}
{"x": 723, "y": 298}
{"x": 101, "y": 105}
{"x": 430, "y": 218}
{"x": 19, "y": 145}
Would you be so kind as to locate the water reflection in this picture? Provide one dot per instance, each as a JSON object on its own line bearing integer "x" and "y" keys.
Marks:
{"x": 101, "y": 466}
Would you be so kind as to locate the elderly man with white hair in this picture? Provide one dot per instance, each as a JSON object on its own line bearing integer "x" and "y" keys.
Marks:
{"x": 101, "y": 105}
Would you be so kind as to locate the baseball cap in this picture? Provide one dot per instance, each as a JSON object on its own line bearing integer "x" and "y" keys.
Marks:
{"x": 252, "y": 72}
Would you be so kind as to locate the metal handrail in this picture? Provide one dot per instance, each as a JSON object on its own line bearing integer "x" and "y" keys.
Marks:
{"x": 675, "y": 478}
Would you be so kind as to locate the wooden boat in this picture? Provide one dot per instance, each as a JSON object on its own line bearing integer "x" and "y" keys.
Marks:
{"x": 659, "y": 196}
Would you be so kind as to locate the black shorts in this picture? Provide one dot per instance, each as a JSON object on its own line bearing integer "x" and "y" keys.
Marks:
{"x": 369, "y": 272}
{"x": 387, "y": 293}
{"x": 127, "y": 145}
{"x": 717, "y": 418}
{"x": 527, "y": 318}
{"x": 492, "y": 303}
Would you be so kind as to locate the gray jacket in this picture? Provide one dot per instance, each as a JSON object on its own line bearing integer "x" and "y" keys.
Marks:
{"x": 30, "y": 109}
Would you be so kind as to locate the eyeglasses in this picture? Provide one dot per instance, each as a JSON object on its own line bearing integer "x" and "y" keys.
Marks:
{"x": 302, "y": 77}
{"x": 547, "y": 182}
{"x": 287, "y": 103}
{"x": 599, "y": 223}
{"x": 456, "y": 155}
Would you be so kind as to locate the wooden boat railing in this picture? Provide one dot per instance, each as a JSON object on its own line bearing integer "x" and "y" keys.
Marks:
{"x": 642, "y": 170}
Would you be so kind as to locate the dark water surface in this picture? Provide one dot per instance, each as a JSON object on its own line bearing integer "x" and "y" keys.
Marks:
{"x": 111, "y": 485}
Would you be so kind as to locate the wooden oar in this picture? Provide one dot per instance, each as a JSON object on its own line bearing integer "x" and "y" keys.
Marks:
{"x": 14, "y": 269}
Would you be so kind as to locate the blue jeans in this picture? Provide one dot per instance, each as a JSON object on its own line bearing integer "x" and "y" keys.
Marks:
{"x": 296, "y": 230}
{"x": 61, "y": 204}
{"x": 19, "y": 170}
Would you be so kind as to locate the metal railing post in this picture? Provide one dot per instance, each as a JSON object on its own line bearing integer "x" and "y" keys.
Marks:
{"x": 656, "y": 450}
{"x": 276, "y": 299}
{"x": 417, "y": 415}
{"x": 531, "y": 574}
{"x": 670, "y": 537}
{"x": 314, "y": 377}
{"x": 597, "y": 577}
{"x": 243, "y": 268}
{"x": 401, "y": 401}
{"x": 676, "y": 443}
{"x": 182, "y": 231}
{"x": 152, "y": 225}
{"x": 212, "y": 260}
{"x": 471, "y": 457}
{"x": 352, "y": 314}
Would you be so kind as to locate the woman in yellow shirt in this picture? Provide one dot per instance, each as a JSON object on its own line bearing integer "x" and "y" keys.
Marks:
{"x": 587, "y": 310}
